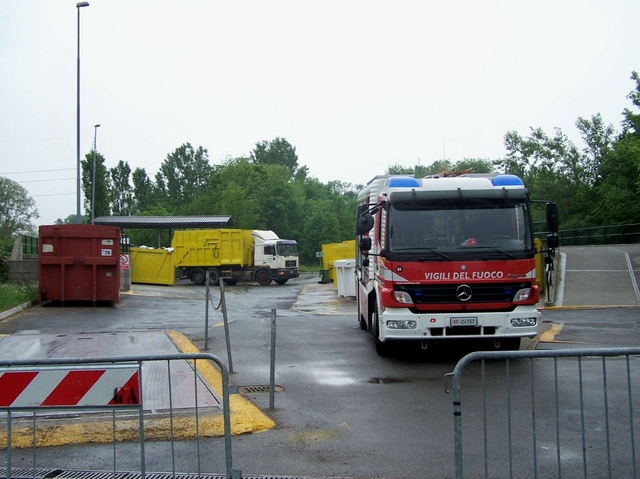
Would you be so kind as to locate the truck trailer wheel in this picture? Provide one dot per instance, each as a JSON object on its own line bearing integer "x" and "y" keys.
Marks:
{"x": 198, "y": 276}
{"x": 263, "y": 277}
{"x": 214, "y": 276}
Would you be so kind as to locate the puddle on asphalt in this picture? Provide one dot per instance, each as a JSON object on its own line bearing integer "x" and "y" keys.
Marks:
{"x": 388, "y": 380}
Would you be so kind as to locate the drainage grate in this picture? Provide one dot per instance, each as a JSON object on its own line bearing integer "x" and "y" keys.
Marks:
{"x": 29, "y": 473}
{"x": 258, "y": 389}
{"x": 156, "y": 475}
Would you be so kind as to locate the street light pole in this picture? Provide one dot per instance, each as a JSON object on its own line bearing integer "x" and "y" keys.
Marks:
{"x": 93, "y": 180}
{"x": 78, "y": 7}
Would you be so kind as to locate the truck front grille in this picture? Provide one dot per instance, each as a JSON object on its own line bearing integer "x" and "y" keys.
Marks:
{"x": 290, "y": 263}
{"x": 448, "y": 293}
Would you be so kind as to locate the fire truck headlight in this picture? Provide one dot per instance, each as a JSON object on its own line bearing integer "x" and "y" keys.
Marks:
{"x": 404, "y": 324}
{"x": 523, "y": 322}
{"x": 522, "y": 295}
{"x": 402, "y": 297}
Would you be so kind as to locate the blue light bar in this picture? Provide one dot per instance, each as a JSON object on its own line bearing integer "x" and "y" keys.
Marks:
{"x": 403, "y": 182}
{"x": 507, "y": 180}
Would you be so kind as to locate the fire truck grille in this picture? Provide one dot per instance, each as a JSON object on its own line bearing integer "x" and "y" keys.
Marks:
{"x": 452, "y": 293}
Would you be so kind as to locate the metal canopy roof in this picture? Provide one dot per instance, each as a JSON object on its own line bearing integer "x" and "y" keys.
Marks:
{"x": 169, "y": 222}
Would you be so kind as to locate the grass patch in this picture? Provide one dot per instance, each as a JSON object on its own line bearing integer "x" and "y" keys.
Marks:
{"x": 305, "y": 268}
{"x": 13, "y": 294}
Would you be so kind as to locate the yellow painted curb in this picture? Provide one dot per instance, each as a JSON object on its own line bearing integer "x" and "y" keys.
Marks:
{"x": 245, "y": 416}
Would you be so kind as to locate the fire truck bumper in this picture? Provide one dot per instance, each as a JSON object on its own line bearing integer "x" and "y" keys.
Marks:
{"x": 400, "y": 323}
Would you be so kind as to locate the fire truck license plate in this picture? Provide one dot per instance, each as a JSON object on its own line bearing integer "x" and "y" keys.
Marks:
{"x": 464, "y": 321}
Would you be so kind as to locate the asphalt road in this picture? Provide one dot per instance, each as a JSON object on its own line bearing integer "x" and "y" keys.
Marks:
{"x": 343, "y": 410}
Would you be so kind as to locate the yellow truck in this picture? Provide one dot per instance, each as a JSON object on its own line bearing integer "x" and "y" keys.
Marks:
{"x": 235, "y": 255}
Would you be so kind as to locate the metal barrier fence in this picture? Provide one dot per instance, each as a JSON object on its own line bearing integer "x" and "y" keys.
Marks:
{"x": 149, "y": 397}
{"x": 601, "y": 235}
{"x": 549, "y": 413}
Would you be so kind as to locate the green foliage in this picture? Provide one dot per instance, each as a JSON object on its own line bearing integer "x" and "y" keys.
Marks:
{"x": 439, "y": 167}
{"x": 143, "y": 191}
{"x": 149, "y": 237}
{"x": 100, "y": 195}
{"x": 69, "y": 220}
{"x": 6, "y": 245}
{"x": 183, "y": 176}
{"x": 17, "y": 209}
{"x": 595, "y": 186}
{"x": 12, "y": 295}
{"x": 121, "y": 190}
{"x": 276, "y": 152}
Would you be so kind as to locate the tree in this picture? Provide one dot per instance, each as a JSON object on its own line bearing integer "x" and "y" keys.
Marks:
{"x": 149, "y": 237}
{"x": 614, "y": 165}
{"x": 121, "y": 191}
{"x": 600, "y": 142}
{"x": 69, "y": 220}
{"x": 143, "y": 191}
{"x": 439, "y": 167}
{"x": 476, "y": 164}
{"x": 183, "y": 176}
{"x": 276, "y": 152}
{"x": 100, "y": 195}
{"x": 552, "y": 168}
{"x": 320, "y": 227}
{"x": 17, "y": 209}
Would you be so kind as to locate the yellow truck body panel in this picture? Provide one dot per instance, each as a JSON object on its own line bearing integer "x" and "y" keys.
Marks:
{"x": 152, "y": 266}
{"x": 221, "y": 247}
{"x": 336, "y": 251}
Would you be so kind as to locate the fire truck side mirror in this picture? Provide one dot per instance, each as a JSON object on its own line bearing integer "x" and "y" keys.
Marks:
{"x": 553, "y": 241}
{"x": 552, "y": 218}
{"x": 365, "y": 244}
{"x": 364, "y": 223}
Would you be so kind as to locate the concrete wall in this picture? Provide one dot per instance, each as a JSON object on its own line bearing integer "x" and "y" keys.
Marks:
{"x": 25, "y": 270}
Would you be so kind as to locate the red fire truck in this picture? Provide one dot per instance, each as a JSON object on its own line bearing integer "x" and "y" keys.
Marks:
{"x": 448, "y": 258}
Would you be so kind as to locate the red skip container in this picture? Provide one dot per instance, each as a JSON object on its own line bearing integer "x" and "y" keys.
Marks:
{"x": 79, "y": 263}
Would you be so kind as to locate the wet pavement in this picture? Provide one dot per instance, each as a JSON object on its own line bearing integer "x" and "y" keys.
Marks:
{"x": 340, "y": 409}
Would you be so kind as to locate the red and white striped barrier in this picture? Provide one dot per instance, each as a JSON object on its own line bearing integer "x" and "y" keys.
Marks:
{"x": 59, "y": 386}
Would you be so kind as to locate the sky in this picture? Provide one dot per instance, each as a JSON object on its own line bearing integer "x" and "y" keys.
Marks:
{"x": 354, "y": 85}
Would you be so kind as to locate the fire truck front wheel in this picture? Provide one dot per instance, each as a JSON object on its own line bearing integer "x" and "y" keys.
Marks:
{"x": 381, "y": 348}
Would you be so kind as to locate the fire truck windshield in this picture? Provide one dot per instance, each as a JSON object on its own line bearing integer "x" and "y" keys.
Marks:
{"x": 460, "y": 229}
